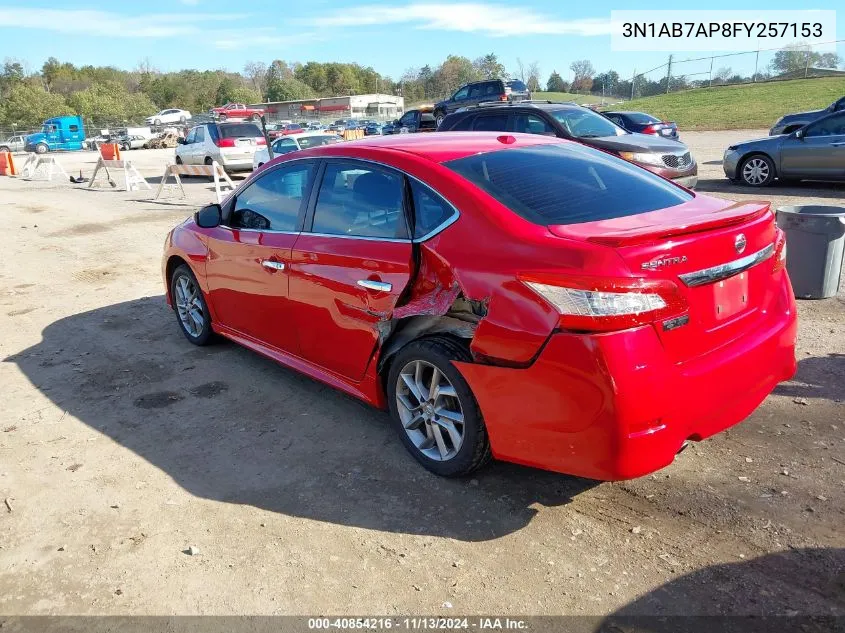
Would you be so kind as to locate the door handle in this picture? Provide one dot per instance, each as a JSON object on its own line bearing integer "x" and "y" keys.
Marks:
{"x": 378, "y": 286}
{"x": 270, "y": 264}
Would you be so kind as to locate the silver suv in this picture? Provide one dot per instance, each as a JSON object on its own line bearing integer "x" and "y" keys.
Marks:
{"x": 232, "y": 145}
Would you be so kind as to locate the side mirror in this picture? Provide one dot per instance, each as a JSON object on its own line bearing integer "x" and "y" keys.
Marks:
{"x": 209, "y": 217}
{"x": 799, "y": 134}
{"x": 180, "y": 141}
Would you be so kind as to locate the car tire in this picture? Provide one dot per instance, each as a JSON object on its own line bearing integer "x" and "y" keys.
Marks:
{"x": 157, "y": 122}
{"x": 190, "y": 307}
{"x": 41, "y": 148}
{"x": 254, "y": 117}
{"x": 125, "y": 147}
{"x": 222, "y": 117}
{"x": 182, "y": 120}
{"x": 758, "y": 170}
{"x": 439, "y": 115}
{"x": 441, "y": 443}
{"x": 3, "y": 148}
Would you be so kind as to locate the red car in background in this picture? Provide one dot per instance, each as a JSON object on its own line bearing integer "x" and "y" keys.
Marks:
{"x": 237, "y": 111}
{"x": 515, "y": 296}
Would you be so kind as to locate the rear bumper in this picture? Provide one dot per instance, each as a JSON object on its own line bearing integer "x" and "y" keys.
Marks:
{"x": 613, "y": 406}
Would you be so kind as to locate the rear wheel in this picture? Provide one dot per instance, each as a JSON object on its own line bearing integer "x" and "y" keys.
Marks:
{"x": 439, "y": 116}
{"x": 3, "y": 148}
{"x": 189, "y": 303}
{"x": 757, "y": 171}
{"x": 254, "y": 117}
{"x": 433, "y": 409}
{"x": 178, "y": 160}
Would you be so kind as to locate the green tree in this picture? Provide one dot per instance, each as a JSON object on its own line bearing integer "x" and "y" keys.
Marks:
{"x": 244, "y": 95}
{"x": 797, "y": 58}
{"x": 288, "y": 90}
{"x": 556, "y": 83}
{"x": 26, "y": 105}
{"x": 488, "y": 67}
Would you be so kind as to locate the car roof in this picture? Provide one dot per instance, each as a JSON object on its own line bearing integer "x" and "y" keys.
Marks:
{"x": 442, "y": 146}
{"x": 550, "y": 106}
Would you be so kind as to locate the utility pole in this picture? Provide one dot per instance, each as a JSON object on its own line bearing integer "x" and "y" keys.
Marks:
{"x": 807, "y": 64}
{"x": 668, "y": 74}
{"x": 711, "y": 73}
{"x": 756, "y": 60}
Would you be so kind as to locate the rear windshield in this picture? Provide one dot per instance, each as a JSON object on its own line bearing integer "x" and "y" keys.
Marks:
{"x": 313, "y": 141}
{"x": 641, "y": 118}
{"x": 567, "y": 183}
{"x": 516, "y": 85}
{"x": 583, "y": 123}
{"x": 239, "y": 130}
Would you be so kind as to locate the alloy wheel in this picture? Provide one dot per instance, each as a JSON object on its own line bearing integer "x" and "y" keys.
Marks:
{"x": 755, "y": 171}
{"x": 430, "y": 410}
{"x": 189, "y": 305}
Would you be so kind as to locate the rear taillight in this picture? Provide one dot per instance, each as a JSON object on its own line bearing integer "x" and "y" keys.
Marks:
{"x": 503, "y": 97}
{"x": 605, "y": 304}
{"x": 780, "y": 251}
{"x": 652, "y": 129}
{"x": 260, "y": 140}
{"x": 225, "y": 142}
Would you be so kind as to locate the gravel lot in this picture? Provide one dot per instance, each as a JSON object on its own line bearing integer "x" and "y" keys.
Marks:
{"x": 122, "y": 446}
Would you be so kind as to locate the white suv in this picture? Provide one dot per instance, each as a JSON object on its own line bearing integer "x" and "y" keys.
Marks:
{"x": 232, "y": 145}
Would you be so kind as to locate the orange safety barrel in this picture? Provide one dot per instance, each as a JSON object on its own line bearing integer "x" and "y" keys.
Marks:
{"x": 7, "y": 164}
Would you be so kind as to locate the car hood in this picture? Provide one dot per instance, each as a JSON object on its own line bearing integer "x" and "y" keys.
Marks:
{"x": 801, "y": 116}
{"x": 759, "y": 143}
{"x": 35, "y": 138}
{"x": 634, "y": 143}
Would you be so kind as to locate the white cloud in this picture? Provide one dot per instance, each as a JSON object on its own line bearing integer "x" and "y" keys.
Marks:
{"x": 469, "y": 17}
{"x": 105, "y": 24}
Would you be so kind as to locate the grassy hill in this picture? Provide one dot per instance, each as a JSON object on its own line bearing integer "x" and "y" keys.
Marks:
{"x": 568, "y": 96}
{"x": 746, "y": 106}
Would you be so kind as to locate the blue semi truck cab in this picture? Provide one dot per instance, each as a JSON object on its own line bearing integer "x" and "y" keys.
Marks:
{"x": 58, "y": 133}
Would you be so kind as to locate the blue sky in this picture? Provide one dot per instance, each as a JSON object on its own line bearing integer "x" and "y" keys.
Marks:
{"x": 389, "y": 36}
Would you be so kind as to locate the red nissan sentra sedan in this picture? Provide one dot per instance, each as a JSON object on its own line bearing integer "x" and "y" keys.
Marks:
{"x": 514, "y": 296}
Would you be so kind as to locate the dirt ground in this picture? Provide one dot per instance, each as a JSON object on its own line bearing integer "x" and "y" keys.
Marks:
{"x": 122, "y": 446}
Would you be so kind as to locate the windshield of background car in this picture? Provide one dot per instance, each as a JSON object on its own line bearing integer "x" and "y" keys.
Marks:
{"x": 516, "y": 85}
{"x": 641, "y": 118}
{"x": 313, "y": 141}
{"x": 567, "y": 184}
{"x": 586, "y": 124}
{"x": 240, "y": 130}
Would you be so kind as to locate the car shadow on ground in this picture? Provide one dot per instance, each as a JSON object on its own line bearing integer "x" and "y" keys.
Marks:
{"x": 229, "y": 425}
{"x": 806, "y": 189}
{"x": 770, "y": 593}
{"x": 817, "y": 377}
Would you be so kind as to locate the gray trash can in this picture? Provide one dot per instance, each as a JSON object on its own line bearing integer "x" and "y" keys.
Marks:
{"x": 815, "y": 242}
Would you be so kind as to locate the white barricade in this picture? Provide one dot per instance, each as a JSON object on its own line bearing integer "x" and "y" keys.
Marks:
{"x": 214, "y": 170}
{"x": 132, "y": 178}
{"x": 42, "y": 168}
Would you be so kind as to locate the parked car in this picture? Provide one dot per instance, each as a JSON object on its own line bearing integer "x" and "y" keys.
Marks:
{"x": 791, "y": 122}
{"x": 127, "y": 142}
{"x": 293, "y": 143}
{"x": 813, "y": 152}
{"x": 508, "y": 295}
{"x": 61, "y": 133}
{"x": 315, "y": 125}
{"x": 168, "y": 117}
{"x": 13, "y": 144}
{"x": 643, "y": 123}
{"x": 291, "y": 128}
{"x": 670, "y": 159}
{"x": 232, "y": 145}
{"x": 480, "y": 92}
{"x": 417, "y": 120}
{"x": 237, "y": 111}
{"x": 372, "y": 129}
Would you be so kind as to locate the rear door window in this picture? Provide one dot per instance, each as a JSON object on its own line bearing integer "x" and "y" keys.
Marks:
{"x": 497, "y": 122}
{"x": 567, "y": 184}
{"x": 517, "y": 86}
{"x": 532, "y": 124}
{"x": 430, "y": 210}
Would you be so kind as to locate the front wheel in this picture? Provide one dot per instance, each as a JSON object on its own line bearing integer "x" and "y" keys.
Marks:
{"x": 41, "y": 148}
{"x": 433, "y": 409}
{"x": 757, "y": 171}
{"x": 182, "y": 120}
{"x": 125, "y": 147}
{"x": 191, "y": 310}
{"x": 157, "y": 122}
{"x": 222, "y": 117}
